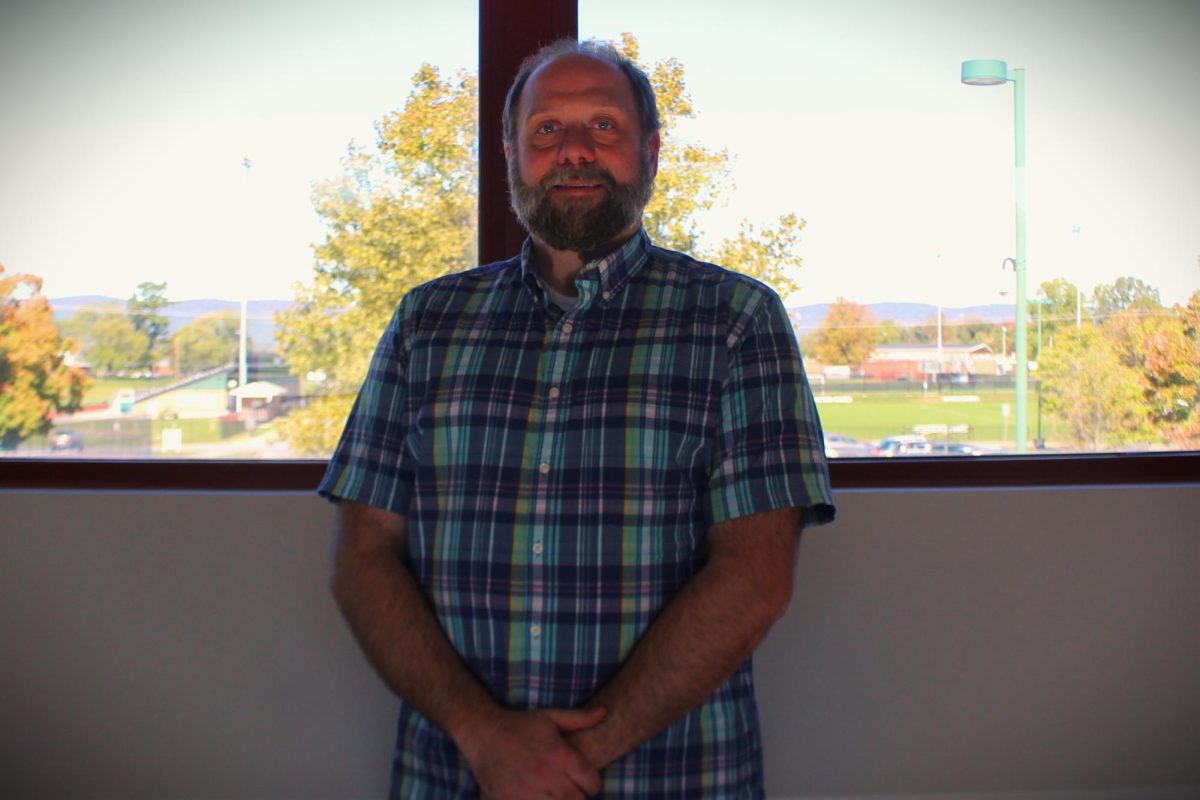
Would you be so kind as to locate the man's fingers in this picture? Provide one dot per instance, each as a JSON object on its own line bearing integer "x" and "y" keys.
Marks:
{"x": 569, "y": 720}
{"x": 585, "y": 776}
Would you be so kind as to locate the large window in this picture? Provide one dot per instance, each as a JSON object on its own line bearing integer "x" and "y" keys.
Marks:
{"x": 847, "y": 125}
{"x": 165, "y": 165}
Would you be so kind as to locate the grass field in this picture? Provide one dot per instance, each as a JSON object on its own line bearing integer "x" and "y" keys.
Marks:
{"x": 876, "y": 414}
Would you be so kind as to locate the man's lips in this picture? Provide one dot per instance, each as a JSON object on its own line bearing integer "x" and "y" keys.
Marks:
{"x": 577, "y": 187}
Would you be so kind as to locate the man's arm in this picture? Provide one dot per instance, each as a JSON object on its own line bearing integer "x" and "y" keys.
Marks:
{"x": 518, "y": 754}
{"x": 702, "y": 635}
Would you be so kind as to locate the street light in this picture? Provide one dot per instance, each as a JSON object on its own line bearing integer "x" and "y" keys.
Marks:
{"x": 983, "y": 72}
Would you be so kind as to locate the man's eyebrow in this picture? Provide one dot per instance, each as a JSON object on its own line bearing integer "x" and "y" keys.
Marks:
{"x": 552, "y": 107}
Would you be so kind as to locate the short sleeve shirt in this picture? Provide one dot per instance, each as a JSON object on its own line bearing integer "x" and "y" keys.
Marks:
{"x": 559, "y": 471}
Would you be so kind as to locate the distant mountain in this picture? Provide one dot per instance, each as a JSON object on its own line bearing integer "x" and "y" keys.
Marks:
{"x": 260, "y": 314}
{"x": 261, "y": 324}
{"x": 806, "y": 319}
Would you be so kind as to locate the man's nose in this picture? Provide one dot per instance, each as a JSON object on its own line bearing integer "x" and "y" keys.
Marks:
{"x": 576, "y": 146}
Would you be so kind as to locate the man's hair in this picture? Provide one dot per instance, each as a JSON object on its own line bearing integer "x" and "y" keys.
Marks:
{"x": 643, "y": 92}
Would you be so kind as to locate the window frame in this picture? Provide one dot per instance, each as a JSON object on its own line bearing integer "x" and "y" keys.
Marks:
{"x": 508, "y": 30}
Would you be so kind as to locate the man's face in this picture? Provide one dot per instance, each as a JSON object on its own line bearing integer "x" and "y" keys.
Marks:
{"x": 578, "y": 169}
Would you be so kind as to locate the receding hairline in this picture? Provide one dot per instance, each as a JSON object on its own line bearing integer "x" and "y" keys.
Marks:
{"x": 625, "y": 93}
{"x": 644, "y": 101}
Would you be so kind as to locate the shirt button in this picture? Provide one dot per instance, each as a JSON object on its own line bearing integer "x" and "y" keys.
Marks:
{"x": 543, "y": 468}
{"x": 538, "y": 548}
{"x": 535, "y": 631}
{"x": 553, "y": 392}
{"x": 607, "y": 295}
{"x": 567, "y": 328}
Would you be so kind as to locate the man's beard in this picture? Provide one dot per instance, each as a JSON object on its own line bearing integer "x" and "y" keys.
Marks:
{"x": 582, "y": 226}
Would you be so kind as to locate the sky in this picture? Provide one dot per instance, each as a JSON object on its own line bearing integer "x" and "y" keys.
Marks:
{"x": 124, "y": 125}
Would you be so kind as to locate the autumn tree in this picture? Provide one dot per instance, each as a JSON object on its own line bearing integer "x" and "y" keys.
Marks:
{"x": 35, "y": 382}
{"x": 208, "y": 341}
{"x": 847, "y": 334}
{"x": 1171, "y": 375}
{"x": 405, "y": 213}
{"x": 1084, "y": 384}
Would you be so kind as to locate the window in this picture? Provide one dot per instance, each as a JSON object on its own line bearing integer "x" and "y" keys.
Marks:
{"x": 511, "y": 29}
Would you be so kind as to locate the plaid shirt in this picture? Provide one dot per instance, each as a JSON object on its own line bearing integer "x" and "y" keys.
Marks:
{"x": 559, "y": 472}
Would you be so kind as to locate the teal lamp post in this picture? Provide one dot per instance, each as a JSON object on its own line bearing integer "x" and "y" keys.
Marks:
{"x": 993, "y": 73}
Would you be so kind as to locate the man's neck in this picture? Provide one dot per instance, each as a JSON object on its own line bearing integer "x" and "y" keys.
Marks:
{"x": 559, "y": 268}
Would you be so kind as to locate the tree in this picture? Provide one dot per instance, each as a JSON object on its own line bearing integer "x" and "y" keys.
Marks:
{"x": 1058, "y": 309}
{"x": 1126, "y": 293}
{"x": 398, "y": 218}
{"x": 405, "y": 213}
{"x": 1171, "y": 376}
{"x": 1084, "y": 383}
{"x": 110, "y": 342}
{"x": 35, "y": 382}
{"x": 847, "y": 334}
{"x": 143, "y": 309}
{"x": 207, "y": 342}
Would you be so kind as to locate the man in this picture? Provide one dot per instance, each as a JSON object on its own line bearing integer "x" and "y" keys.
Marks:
{"x": 573, "y": 483}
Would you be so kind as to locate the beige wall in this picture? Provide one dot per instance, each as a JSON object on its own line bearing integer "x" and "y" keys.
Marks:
{"x": 1035, "y": 644}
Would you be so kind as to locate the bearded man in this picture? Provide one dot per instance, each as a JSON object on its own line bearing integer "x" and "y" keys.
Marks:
{"x": 571, "y": 490}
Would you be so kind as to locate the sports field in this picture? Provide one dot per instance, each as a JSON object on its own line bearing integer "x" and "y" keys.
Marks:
{"x": 872, "y": 415}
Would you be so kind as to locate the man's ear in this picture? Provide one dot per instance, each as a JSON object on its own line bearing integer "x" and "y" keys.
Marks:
{"x": 507, "y": 151}
{"x": 655, "y": 142}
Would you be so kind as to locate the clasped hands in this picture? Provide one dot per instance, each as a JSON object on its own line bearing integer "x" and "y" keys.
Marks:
{"x": 522, "y": 755}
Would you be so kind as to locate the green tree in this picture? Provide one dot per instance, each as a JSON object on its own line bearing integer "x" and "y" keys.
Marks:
{"x": 1126, "y": 293}
{"x": 35, "y": 382}
{"x": 110, "y": 342}
{"x": 1058, "y": 308}
{"x": 1084, "y": 384}
{"x": 207, "y": 342}
{"x": 144, "y": 309}
{"x": 847, "y": 334}
{"x": 405, "y": 213}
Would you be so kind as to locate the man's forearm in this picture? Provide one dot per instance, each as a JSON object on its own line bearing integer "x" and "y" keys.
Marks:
{"x": 700, "y": 638}
{"x": 398, "y": 631}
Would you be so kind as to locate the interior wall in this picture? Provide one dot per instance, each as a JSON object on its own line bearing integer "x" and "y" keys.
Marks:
{"x": 1039, "y": 644}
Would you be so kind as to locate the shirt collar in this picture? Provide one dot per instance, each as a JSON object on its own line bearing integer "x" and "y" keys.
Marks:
{"x": 604, "y": 276}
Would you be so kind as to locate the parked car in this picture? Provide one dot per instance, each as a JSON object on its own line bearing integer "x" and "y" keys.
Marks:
{"x": 958, "y": 449}
{"x": 66, "y": 439}
{"x": 913, "y": 444}
{"x": 838, "y": 445}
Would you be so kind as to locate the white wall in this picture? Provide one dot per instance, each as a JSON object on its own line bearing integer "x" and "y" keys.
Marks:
{"x": 1034, "y": 644}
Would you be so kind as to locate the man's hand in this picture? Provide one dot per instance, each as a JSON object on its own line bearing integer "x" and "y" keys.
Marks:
{"x": 702, "y": 635}
{"x": 518, "y": 755}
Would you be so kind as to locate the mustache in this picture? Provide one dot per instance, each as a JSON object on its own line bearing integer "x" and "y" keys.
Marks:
{"x": 587, "y": 173}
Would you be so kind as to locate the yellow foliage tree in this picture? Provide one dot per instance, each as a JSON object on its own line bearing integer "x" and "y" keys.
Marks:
{"x": 35, "y": 381}
{"x": 847, "y": 335}
{"x": 406, "y": 213}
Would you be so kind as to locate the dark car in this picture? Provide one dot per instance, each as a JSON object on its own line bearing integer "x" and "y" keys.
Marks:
{"x": 66, "y": 439}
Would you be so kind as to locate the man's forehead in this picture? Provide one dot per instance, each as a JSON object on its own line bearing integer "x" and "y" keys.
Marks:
{"x": 576, "y": 77}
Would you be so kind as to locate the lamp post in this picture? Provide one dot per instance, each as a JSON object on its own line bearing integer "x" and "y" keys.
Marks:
{"x": 992, "y": 73}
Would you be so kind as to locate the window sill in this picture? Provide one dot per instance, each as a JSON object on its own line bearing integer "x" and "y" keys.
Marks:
{"x": 867, "y": 473}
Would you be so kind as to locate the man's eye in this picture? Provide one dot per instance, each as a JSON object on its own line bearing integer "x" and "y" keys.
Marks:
{"x": 546, "y": 127}
{"x": 605, "y": 125}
